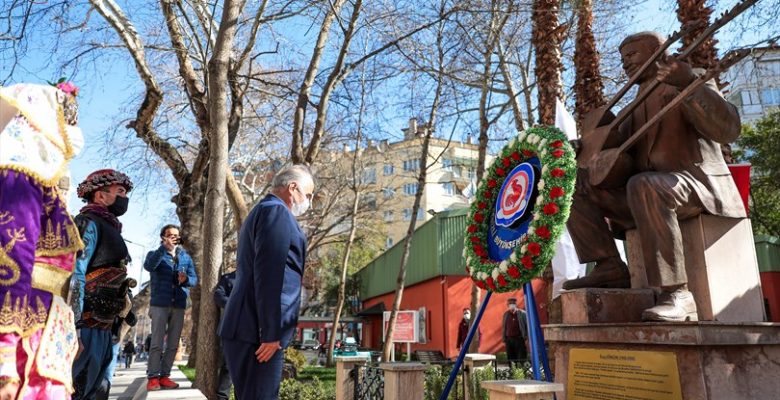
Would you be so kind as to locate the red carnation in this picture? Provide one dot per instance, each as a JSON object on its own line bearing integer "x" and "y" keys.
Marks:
{"x": 515, "y": 156}
{"x": 558, "y": 153}
{"x": 490, "y": 283}
{"x": 481, "y": 205}
{"x": 527, "y": 261}
{"x": 557, "y": 172}
{"x": 500, "y": 171}
{"x": 506, "y": 161}
{"x": 472, "y": 228}
{"x": 550, "y": 209}
{"x": 479, "y": 284}
{"x": 501, "y": 280}
{"x": 488, "y": 195}
{"x": 513, "y": 272}
{"x": 557, "y": 191}
{"x": 534, "y": 248}
{"x": 557, "y": 144}
{"x": 528, "y": 153}
{"x": 543, "y": 232}
{"x": 492, "y": 183}
{"x": 479, "y": 217}
{"x": 474, "y": 239}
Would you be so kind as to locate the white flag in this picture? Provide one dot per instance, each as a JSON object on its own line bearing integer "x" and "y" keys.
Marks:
{"x": 564, "y": 121}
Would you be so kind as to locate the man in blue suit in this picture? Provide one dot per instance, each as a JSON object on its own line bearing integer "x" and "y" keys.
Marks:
{"x": 262, "y": 312}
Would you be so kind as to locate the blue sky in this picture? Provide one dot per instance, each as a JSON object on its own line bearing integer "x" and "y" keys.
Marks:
{"x": 101, "y": 104}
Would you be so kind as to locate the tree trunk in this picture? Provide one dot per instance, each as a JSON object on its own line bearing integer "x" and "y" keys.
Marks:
{"x": 208, "y": 353}
{"x": 546, "y": 38}
{"x": 588, "y": 86}
{"x": 401, "y": 279}
{"x": 690, "y": 12}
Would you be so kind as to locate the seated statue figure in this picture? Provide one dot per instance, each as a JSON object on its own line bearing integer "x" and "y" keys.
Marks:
{"x": 678, "y": 173}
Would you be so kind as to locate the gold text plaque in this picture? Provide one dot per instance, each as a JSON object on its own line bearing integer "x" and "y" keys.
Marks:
{"x": 604, "y": 374}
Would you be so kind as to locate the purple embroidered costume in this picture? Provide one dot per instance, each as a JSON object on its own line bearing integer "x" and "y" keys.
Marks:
{"x": 38, "y": 241}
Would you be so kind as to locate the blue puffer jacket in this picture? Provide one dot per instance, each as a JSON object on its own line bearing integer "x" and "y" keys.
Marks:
{"x": 166, "y": 289}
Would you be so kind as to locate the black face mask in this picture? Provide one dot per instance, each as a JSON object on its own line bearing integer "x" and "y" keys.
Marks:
{"x": 119, "y": 207}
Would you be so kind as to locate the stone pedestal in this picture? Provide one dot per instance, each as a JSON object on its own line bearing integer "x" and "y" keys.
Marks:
{"x": 345, "y": 384}
{"x": 714, "y": 361}
{"x": 404, "y": 381}
{"x": 720, "y": 260}
{"x": 473, "y": 362}
{"x": 521, "y": 390}
{"x": 588, "y": 306}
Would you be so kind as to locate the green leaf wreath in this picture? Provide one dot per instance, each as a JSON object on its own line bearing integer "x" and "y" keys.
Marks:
{"x": 556, "y": 187}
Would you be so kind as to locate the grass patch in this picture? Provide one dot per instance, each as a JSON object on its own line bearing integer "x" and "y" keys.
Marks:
{"x": 188, "y": 372}
{"x": 322, "y": 373}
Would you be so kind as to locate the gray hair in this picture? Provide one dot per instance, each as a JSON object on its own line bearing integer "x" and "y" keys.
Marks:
{"x": 655, "y": 39}
{"x": 293, "y": 173}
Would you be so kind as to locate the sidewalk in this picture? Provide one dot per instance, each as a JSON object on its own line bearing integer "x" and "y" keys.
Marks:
{"x": 130, "y": 384}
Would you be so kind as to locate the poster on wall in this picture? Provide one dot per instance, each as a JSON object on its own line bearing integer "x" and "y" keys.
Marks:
{"x": 422, "y": 337}
{"x": 406, "y": 326}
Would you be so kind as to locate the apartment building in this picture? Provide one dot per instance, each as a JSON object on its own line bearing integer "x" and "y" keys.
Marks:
{"x": 754, "y": 83}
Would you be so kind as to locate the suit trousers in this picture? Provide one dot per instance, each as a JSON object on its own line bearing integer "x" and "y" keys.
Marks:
{"x": 223, "y": 381}
{"x": 654, "y": 202}
{"x": 167, "y": 323}
{"x": 515, "y": 349}
{"x": 252, "y": 380}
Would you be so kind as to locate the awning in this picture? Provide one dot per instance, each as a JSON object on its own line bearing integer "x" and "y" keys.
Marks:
{"x": 376, "y": 309}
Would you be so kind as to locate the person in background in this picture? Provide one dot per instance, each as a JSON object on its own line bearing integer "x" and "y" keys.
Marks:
{"x": 221, "y": 296}
{"x": 129, "y": 352}
{"x": 515, "y": 332}
{"x": 172, "y": 273}
{"x": 463, "y": 328}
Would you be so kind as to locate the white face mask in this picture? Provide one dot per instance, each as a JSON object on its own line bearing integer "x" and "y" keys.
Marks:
{"x": 466, "y": 316}
{"x": 512, "y": 307}
{"x": 299, "y": 208}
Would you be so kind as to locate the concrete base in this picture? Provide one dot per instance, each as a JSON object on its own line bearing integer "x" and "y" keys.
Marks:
{"x": 587, "y": 306}
{"x": 521, "y": 390}
{"x": 720, "y": 260}
{"x": 715, "y": 361}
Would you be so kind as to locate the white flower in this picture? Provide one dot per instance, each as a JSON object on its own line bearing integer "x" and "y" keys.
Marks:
{"x": 540, "y": 198}
{"x": 543, "y": 142}
{"x": 543, "y": 153}
{"x": 531, "y": 230}
{"x": 524, "y": 248}
{"x": 495, "y": 273}
{"x": 503, "y": 266}
{"x": 513, "y": 257}
{"x": 540, "y": 185}
{"x": 537, "y": 217}
{"x": 483, "y": 276}
{"x": 544, "y": 167}
{"x": 521, "y": 137}
{"x": 465, "y": 254}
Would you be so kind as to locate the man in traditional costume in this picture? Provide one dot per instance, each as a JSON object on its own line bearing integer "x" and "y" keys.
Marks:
{"x": 100, "y": 275}
{"x": 38, "y": 240}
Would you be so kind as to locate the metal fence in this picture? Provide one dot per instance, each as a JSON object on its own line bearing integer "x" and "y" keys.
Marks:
{"x": 369, "y": 382}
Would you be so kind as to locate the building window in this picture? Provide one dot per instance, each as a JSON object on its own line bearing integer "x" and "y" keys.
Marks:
{"x": 389, "y": 243}
{"x": 388, "y": 192}
{"x": 472, "y": 173}
{"x": 388, "y": 169}
{"x": 420, "y": 214}
{"x": 407, "y": 214}
{"x": 388, "y": 216}
{"x": 369, "y": 176}
{"x": 410, "y": 189}
{"x": 770, "y": 97}
{"x": 447, "y": 164}
{"x": 412, "y": 165}
{"x": 749, "y": 97}
{"x": 369, "y": 201}
{"x": 449, "y": 188}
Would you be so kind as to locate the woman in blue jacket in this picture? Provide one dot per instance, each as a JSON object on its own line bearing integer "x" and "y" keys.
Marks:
{"x": 172, "y": 274}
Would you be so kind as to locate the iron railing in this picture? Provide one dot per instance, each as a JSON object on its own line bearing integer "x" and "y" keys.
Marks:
{"x": 369, "y": 382}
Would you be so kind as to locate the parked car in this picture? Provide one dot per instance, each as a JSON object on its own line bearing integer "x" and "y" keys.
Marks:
{"x": 310, "y": 344}
{"x": 295, "y": 344}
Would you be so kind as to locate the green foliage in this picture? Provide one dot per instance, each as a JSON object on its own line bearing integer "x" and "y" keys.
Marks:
{"x": 188, "y": 372}
{"x": 321, "y": 373}
{"x": 760, "y": 146}
{"x": 314, "y": 389}
{"x": 295, "y": 357}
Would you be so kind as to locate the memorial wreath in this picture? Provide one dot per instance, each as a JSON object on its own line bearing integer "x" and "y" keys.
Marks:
{"x": 538, "y": 162}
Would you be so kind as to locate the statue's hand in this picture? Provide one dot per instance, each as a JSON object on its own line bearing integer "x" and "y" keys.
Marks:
{"x": 674, "y": 72}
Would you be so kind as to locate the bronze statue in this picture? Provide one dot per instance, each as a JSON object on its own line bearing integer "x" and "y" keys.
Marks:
{"x": 676, "y": 172}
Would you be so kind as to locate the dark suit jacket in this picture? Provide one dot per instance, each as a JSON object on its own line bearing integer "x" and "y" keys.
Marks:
{"x": 522, "y": 322}
{"x": 687, "y": 140}
{"x": 264, "y": 304}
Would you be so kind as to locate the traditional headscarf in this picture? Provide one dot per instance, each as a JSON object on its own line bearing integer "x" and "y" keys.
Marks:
{"x": 102, "y": 178}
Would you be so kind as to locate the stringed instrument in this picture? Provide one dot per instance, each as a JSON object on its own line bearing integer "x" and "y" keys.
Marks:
{"x": 600, "y": 148}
